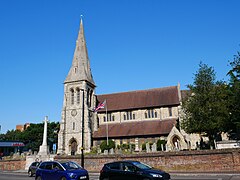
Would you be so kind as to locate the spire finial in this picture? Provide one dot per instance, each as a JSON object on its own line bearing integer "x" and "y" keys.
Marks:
{"x": 81, "y": 17}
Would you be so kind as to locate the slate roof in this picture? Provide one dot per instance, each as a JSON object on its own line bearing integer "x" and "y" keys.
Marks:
{"x": 159, "y": 97}
{"x": 131, "y": 129}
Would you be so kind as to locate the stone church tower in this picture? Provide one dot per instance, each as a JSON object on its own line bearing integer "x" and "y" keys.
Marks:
{"x": 77, "y": 122}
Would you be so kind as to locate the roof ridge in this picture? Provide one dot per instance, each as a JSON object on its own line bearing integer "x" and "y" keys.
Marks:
{"x": 133, "y": 91}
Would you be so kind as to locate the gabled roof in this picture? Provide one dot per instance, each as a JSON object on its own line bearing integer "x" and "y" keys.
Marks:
{"x": 131, "y": 129}
{"x": 167, "y": 96}
{"x": 80, "y": 69}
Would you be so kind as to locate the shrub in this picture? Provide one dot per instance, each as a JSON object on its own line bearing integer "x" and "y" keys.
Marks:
{"x": 104, "y": 146}
{"x": 160, "y": 143}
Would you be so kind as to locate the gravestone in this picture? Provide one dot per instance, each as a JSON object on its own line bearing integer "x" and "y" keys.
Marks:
{"x": 154, "y": 147}
{"x": 147, "y": 147}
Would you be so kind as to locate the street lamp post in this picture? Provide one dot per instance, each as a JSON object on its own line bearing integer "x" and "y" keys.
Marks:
{"x": 82, "y": 148}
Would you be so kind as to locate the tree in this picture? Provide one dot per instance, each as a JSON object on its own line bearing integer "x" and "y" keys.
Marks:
{"x": 205, "y": 111}
{"x": 32, "y": 137}
{"x": 12, "y": 135}
{"x": 234, "y": 95}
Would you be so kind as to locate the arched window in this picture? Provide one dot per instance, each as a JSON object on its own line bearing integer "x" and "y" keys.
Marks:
{"x": 78, "y": 96}
{"x": 72, "y": 96}
{"x": 129, "y": 115}
{"x": 90, "y": 98}
{"x": 109, "y": 117}
{"x": 146, "y": 115}
{"x": 150, "y": 113}
{"x": 88, "y": 93}
{"x": 170, "y": 111}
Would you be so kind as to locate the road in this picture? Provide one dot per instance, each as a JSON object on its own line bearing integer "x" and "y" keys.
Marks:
{"x": 23, "y": 176}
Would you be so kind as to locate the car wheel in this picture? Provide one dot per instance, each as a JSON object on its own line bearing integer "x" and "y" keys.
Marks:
{"x": 30, "y": 174}
{"x": 39, "y": 178}
{"x": 63, "y": 178}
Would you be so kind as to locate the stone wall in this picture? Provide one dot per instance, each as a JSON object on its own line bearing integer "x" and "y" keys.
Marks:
{"x": 162, "y": 114}
{"x": 227, "y": 160}
{"x": 12, "y": 165}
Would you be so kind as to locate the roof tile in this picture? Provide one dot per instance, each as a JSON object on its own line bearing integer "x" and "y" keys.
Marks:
{"x": 142, "y": 128}
{"x": 140, "y": 99}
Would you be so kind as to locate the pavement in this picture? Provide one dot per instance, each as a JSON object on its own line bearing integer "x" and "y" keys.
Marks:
{"x": 232, "y": 176}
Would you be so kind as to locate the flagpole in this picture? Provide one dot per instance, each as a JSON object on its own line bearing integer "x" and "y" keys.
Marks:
{"x": 100, "y": 106}
{"x": 107, "y": 122}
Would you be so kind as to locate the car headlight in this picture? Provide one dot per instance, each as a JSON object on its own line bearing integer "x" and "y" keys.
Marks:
{"x": 72, "y": 175}
{"x": 156, "y": 175}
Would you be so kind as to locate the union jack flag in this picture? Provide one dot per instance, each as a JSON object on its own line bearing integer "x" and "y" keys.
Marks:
{"x": 100, "y": 106}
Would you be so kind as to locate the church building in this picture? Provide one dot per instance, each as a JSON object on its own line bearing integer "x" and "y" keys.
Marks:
{"x": 134, "y": 117}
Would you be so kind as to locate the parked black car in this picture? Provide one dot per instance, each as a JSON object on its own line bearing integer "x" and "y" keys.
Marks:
{"x": 32, "y": 168}
{"x": 131, "y": 170}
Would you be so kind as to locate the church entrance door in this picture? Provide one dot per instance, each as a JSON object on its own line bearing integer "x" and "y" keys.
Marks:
{"x": 73, "y": 147}
{"x": 176, "y": 142}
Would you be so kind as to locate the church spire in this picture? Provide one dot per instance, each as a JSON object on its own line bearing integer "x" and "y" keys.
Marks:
{"x": 80, "y": 70}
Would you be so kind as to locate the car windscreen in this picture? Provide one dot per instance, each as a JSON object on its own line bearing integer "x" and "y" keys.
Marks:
{"x": 70, "y": 165}
{"x": 142, "y": 165}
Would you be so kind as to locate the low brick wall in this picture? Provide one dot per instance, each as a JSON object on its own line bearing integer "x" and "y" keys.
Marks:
{"x": 227, "y": 160}
{"x": 12, "y": 165}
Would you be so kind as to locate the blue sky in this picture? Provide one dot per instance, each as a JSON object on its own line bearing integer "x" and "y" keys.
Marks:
{"x": 132, "y": 45}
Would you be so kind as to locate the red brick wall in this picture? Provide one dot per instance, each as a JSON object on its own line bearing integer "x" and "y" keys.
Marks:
{"x": 182, "y": 161}
{"x": 12, "y": 165}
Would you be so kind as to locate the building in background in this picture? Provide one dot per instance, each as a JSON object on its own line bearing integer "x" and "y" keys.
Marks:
{"x": 135, "y": 117}
{"x": 8, "y": 147}
{"x": 21, "y": 127}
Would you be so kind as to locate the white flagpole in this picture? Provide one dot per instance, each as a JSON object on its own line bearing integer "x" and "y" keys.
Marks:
{"x": 107, "y": 122}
